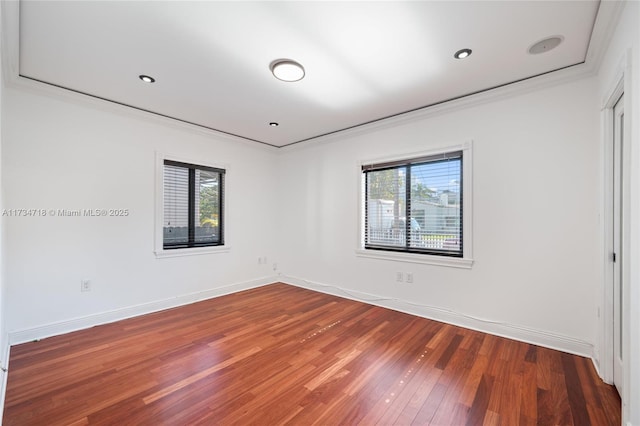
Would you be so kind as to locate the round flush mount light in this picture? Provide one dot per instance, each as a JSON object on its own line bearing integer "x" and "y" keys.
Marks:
{"x": 546, "y": 45}
{"x": 287, "y": 70}
{"x": 146, "y": 78}
{"x": 462, "y": 53}
{"x": 274, "y": 124}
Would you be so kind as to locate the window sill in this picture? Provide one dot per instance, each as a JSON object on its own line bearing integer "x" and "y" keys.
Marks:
{"x": 453, "y": 262}
{"x": 161, "y": 254}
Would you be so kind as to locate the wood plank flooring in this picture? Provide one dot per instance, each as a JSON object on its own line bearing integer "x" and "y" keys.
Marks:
{"x": 285, "y": 355}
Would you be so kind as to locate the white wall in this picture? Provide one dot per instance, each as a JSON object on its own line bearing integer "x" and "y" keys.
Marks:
{"x": 535, "y": 223}
{"x": 622, "y": 56}
{"x": 63, "y": 151}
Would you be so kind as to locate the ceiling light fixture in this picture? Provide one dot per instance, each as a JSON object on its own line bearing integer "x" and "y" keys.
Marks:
{"x": 273, "y": 124}
{"x": 462, "y": 53}
{"x": 147, "y": 79}
{"x": 546, "y": 45}
{"x": 287, "y": 70}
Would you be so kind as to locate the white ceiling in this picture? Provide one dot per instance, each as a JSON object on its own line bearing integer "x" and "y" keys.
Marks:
{"x": 364, "y": 61}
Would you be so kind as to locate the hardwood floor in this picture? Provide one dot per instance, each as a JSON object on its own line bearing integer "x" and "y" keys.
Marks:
{"x": 281, "y": 354}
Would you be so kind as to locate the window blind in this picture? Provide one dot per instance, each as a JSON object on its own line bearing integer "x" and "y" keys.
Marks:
{"x": 415, "y": 205}
{"x": 193, "y": 205}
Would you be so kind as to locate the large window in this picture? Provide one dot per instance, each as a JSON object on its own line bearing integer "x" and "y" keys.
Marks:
{"x": 415, "y": 205}
{"x": 193, "y": 206}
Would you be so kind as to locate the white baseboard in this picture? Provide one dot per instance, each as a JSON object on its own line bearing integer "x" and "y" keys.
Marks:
{"x": 510, "y": 331}
{"x": 61, "y": 327}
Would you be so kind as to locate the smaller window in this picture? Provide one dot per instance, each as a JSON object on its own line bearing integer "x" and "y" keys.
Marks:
{"x": 415, "y": 205}
{"x": 193, "y": 198}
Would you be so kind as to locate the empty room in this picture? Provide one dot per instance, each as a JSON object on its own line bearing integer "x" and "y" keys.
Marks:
{"x": 332, "y": 213}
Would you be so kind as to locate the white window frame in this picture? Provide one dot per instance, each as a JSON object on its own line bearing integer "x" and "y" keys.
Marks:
{"x": 467, "y": 213}
{"x": 158, "y": 249}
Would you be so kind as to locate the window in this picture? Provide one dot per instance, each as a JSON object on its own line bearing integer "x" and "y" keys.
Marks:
{"x": 193, "y": 198}
{"x": 416, "y": 205}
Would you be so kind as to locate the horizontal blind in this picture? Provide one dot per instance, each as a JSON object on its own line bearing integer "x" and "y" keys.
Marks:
{"x": 193, "y": 205}
{"x": 415, "y": 205}
{"x": 436, "y": 206}
{"x": 176, "y": 205}
{"x": 410, "y": 161}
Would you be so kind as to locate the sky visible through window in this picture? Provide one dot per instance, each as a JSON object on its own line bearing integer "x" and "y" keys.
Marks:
{"x": 437, "y": 177}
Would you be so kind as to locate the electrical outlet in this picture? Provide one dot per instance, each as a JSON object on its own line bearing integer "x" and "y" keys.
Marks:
{"x": 399, "y": 277}
{"x": 85, "y": 285}
{"x": 409, "y": 276}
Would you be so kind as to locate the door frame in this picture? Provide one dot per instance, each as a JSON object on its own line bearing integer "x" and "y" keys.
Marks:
{"x": 605, "y": 354}
{"x": 617, "y": 226}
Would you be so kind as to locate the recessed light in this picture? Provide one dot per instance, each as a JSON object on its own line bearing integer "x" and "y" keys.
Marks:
{"x": 274, "y": 124}
{"x": 546, "y": 45}
{"x": 147, "y": 79}
{"x": 462, "y": 53}
{"x": 287, "y": 70}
